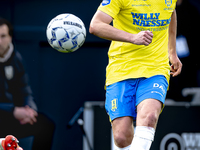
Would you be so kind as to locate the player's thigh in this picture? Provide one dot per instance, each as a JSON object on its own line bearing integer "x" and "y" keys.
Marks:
{"x": 149, "y": 105}
{"x": 120, "y": 106}
{"x": 148, "y": 112}
{"x": 150, "y": 98}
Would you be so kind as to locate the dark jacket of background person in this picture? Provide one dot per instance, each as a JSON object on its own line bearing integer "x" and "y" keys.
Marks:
{"x": 14, "y": 87}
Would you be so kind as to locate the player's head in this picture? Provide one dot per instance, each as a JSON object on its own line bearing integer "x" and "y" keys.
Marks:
{"x": 6, "y": 33}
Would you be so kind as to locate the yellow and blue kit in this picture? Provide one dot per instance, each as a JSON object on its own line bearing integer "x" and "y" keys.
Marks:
{"x": 127, "y": 60}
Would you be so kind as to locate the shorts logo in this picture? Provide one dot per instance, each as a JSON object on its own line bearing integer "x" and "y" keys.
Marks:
{"x": 105, "y": 2}
{"x": 156, "y": 85}
{"x": 114, "y": 104}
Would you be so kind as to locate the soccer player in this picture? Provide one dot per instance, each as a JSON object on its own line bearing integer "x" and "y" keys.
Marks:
{"x": 143, "y": 39}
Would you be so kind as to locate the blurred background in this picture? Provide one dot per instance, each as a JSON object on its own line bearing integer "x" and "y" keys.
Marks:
{"x": 62, "y": 83}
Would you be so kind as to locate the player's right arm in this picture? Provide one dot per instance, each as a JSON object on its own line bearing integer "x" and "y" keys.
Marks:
{"x": 100, "y": 26}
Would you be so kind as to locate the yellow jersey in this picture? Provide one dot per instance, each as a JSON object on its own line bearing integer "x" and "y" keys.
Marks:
{"x": 128, "y": 60}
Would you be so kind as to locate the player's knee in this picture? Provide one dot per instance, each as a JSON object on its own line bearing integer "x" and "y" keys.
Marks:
{"x": 151, "y": 119}
{"x": 120, "y": 140}
{"x": 123, "y": 139}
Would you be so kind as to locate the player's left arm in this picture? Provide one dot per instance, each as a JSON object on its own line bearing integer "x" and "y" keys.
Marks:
{"x": 176, "y": 65}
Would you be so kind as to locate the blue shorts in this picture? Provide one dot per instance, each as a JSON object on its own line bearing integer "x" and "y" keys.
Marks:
{"x": 123, "y": 97}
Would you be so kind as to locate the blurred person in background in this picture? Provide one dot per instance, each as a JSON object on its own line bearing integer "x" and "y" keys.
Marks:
{"x": 18, "y": 111}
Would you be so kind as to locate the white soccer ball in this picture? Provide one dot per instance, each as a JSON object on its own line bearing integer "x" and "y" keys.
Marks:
{"x": 66, "y": 33}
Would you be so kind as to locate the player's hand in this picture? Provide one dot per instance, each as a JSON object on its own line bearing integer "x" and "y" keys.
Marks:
{"x": 176, "y": 65}
{"x": 143, "y": 38}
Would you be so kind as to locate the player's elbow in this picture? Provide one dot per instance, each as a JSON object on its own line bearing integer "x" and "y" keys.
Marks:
{"x": 92, "y": 29}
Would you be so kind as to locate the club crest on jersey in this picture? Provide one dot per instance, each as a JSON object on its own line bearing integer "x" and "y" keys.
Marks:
{"x": 105, "y": 2}
{"x": 168, "y": 2}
